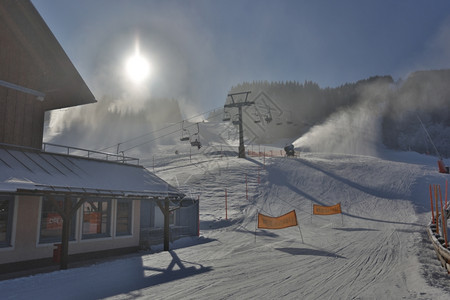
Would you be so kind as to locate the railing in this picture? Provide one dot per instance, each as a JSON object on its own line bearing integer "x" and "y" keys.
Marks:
{"x": 90, "y": 153}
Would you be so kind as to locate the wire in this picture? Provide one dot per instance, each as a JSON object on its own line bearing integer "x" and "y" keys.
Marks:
{"x": 173, "y": 132}
{"x": 157, "y": 130}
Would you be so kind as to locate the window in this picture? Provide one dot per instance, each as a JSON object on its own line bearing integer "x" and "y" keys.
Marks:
{"x": 123, "y": 217}
{"x": 96, "y": 218}
{"x": 6, "y": 216}
{"x": 52, "y": 222}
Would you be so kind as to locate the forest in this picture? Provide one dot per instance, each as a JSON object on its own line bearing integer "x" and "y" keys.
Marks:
{"x": 412, "y": 114}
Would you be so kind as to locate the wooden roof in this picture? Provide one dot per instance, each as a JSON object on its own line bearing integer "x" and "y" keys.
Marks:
{"x": 28, "y": 45}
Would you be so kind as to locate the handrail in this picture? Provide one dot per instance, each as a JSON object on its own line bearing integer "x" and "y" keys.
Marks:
{"x": 91, "y": 153}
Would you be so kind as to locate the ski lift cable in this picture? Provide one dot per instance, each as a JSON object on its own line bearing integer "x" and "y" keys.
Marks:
{"x": 157, "y": 130}
{"x": 170, "y": 133}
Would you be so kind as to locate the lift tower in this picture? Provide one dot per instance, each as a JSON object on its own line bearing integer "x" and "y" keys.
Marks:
{"x": 239, "y": 105}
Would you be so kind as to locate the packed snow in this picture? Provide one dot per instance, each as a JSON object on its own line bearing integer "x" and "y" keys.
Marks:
{"x": 376, "y": 249}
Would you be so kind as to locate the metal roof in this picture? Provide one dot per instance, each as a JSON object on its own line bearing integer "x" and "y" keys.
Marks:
{"x": 40, "y": 172}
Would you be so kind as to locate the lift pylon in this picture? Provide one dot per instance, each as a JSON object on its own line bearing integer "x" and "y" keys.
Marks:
{"x": 239, "y": 105}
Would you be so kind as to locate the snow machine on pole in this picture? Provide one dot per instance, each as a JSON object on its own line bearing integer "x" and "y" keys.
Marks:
{"x": 442, "y": 168}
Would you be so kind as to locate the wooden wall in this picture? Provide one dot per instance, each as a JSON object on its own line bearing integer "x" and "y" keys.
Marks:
{"x": 21, "y": 115}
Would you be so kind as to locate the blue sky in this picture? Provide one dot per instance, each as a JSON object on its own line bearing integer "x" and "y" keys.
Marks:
{"x": 201, "y": 48}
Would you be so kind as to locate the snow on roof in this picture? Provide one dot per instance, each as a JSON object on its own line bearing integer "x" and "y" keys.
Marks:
{"x": 39, "y": 171}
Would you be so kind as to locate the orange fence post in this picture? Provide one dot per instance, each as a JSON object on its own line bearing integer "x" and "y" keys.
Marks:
{"x": 437, "y": 209}
{"x": 444, "y": 229}
{"x": 432, "y": 209}
{"x": 446, "y": 190}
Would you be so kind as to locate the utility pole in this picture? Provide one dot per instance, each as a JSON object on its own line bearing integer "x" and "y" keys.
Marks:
{"x": 239, "y": 105}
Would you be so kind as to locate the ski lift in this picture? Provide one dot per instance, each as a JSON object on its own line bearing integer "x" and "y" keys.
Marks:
{"x": 236, "y": 120}
{"x": 226, "y": 116}
{"x": 268, "y": 116}
{"x": 278, "y": 122}
{"x": 196, "y": 142}
{"x": 257, "y": 118}
{"x": 289, "y": 120}
{"x": 185, "y": 136}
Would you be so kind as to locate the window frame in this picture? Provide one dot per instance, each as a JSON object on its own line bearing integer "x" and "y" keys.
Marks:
{"x": 129, "y": 217}
{"x": 108, "y": 233}
{"x": 9, "y": 220}
{"x": 58, "y": 239}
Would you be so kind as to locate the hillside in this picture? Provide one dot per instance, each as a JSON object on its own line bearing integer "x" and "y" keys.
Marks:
{"x": 375, "y": 249}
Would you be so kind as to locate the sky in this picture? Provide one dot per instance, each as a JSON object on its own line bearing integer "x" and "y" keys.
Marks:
{"x": 197, "y": 49}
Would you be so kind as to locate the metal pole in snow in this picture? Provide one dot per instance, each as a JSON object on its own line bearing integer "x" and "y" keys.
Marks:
{"x": 198, "y": 225}
{"x": 226, "y": 205}
{"x": 246, "y": 187}
{"x": 264, "y": 163}
{"x": 153, "y": 164}
{"x": 300, "y": 231}
{"x": 256, "y": 223}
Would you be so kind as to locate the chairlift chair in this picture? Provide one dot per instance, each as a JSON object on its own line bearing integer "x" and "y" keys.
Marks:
{"x": 226, "y": 117}
{"x": 196, "y": 142}
{"x": 185, "y": 136}
{"x": 236, "y": 120}
{"x": 289, "y": 119}
{"x": 257, "y": 119}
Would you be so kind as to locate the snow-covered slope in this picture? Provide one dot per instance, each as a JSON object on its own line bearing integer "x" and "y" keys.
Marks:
{"x": 375, "y": 250}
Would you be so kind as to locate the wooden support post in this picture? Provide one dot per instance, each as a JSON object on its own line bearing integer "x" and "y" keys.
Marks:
{"x": 66, "y": 212}
{"x": 166, "y": 224}
{"x": 67, "y": 218}
{"x": 166, "y": 213}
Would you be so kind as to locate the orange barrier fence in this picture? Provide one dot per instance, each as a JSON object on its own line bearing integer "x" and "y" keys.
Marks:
{"x": 327, "y": 210}
{"x": 284, "y": 221}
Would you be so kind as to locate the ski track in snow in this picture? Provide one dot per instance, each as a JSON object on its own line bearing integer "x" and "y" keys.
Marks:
{"x": 371, "y": 251}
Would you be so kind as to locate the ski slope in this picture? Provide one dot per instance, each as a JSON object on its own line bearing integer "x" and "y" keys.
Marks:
{"x": 377, "y": 249}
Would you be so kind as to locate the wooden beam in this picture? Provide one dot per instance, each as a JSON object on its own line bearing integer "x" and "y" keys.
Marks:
{"x": 166, "y": 224}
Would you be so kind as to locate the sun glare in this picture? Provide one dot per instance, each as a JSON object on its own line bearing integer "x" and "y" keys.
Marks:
{"x": 137, "y": 67}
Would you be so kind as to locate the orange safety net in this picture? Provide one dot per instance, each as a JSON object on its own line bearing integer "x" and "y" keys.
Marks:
{"x": 284, "y": 221}
{"x": 327, "y": 210}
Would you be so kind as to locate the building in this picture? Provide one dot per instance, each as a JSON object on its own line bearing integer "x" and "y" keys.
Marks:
{"x": 85, "y": 204}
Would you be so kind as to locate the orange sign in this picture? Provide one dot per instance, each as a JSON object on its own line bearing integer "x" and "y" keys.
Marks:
{"x": 327, "y": 210}
{"x": 284, "y": 221}
{"x": 54, "y": 221}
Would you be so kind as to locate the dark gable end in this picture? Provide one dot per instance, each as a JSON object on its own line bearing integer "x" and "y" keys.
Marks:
{"x": 32, "y": 58}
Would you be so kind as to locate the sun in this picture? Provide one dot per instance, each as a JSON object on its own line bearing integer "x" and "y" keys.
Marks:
{"x": 137, "y": 67}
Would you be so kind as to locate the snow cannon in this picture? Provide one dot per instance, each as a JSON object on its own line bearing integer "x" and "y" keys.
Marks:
{"x": 289, "y": 149}
{"x": 442, "y": 167}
